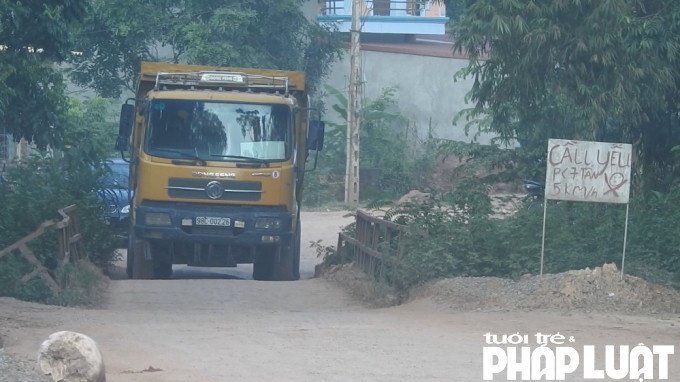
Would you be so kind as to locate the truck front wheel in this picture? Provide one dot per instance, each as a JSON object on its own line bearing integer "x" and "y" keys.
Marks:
{"x": 130, "y": 256}
{"x": 138, "y": 266}
{"x": 264, "y": 264}
{"x": 161, "y": 257}
{"x": 148, "y": 260}
{"x": 280, "y": 263}
{"x": 272, "y": 263}
{"x": 296, "y": 253}
{"x": 288, "y": 266}
{"x": 284, "y": 263}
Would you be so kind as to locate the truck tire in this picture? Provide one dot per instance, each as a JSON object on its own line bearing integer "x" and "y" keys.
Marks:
{"x": 281, "y": 263}
{"x": 264, "y": 264}
{"x": 142, "y": 268}
{"x": 130, "y": 257}
{"x": 296, "y": 252}
{"x": 288, "y": 266}
{"x": 284, "y": 263}
{"x": 274, "y": 263}
{"x": 161, "y": 258}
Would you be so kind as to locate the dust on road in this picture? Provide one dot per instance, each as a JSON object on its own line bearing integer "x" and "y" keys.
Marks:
{"x": 228, "y": 327}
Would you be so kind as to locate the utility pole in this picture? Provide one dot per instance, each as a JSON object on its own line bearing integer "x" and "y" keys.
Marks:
{"x": 353, "y": 109}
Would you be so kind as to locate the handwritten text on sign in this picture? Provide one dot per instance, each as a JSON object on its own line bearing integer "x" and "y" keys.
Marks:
{"x": 588, "y": 171}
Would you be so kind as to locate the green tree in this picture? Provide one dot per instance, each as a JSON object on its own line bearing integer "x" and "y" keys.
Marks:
{"x": 34, "y": 35}
{"x": 454, "y": 8}
{"x": 389, "y": 146}
{"x": 47, "y": 182}
{"x": 593, "y": 70}
{"x": 89, "y": 132}
{"x": 119, "y": 34}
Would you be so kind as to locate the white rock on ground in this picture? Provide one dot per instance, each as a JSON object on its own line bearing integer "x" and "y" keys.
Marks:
{"x": 70, "y": 356}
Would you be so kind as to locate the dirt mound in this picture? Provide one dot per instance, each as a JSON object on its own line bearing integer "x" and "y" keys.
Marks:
{"x": 588, "y": 290}
{"x": 597, "y": 290}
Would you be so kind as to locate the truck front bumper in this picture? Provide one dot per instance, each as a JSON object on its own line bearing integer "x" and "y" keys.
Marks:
{"x": 213, "y": 224}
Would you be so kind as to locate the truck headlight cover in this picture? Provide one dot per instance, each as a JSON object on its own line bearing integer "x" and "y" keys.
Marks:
{"x": 157, "y": 218}
{"x": 268, "y": 223}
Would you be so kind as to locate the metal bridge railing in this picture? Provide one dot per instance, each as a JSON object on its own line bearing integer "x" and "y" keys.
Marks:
{"x": 377, "y": 241}
{"x": 69, "y": 246}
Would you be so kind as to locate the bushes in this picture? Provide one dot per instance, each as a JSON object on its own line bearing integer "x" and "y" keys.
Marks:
{"x": 37, "y": 188}
{"x": 450, "y": 241}
{"x": 44, "y": 182}
{"x": 654, "y": 237}
{"x": 461, "y": 239}
{"x": 456, "y": 235}
{"x": 392, "y": 159}
{"x": 468, "y": 242}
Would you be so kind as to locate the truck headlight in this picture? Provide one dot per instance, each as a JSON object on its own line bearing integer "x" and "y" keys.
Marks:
{"x": 125, "y": 210}
{"x": 268, "y": 223}
{"x": 157, "y": 218}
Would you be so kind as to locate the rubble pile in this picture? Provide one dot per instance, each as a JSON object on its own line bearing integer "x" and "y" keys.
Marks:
{"x": 588, "y": 290}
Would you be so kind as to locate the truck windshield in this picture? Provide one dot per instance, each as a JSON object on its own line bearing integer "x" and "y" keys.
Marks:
{"x": 218, "y": 131}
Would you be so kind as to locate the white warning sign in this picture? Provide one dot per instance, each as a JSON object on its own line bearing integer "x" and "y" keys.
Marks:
{"x": 588, "y": 171}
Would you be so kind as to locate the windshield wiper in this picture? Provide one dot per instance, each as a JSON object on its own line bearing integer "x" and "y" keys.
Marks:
{"x": 250, "y": 159}
{"x": 197, "y": 160}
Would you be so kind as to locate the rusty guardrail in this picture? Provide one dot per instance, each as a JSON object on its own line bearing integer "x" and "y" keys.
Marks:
{"x": 69, "y": 246}
{"x": 377, "y": 241}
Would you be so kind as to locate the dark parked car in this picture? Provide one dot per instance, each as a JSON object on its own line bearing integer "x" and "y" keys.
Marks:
{"x": 117, "y": 196}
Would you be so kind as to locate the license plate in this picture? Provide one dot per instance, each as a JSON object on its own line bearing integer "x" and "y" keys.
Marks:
{"x": 213, "y": 221}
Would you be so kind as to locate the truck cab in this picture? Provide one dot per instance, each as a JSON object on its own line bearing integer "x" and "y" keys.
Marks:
{"x": 218, "y": 157}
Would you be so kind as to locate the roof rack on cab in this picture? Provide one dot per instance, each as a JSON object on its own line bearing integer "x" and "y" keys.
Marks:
{"x": 213, "y": 79}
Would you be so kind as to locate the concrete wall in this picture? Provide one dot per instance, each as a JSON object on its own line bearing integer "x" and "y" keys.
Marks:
{"x": 426, "y": 92}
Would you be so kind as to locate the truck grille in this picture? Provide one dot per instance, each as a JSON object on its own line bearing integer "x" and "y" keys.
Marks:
{"x": 234, "y": 190}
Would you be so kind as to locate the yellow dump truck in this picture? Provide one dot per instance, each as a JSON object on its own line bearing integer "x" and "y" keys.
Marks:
{"x": 217, "y": 159}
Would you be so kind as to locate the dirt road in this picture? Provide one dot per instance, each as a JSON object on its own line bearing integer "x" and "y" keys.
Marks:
{"x": 221, "y": 326}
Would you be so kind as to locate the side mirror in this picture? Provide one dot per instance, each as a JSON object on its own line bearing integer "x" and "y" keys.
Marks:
{"x": 127, "y": 116}
{"x": 315, "y": 134}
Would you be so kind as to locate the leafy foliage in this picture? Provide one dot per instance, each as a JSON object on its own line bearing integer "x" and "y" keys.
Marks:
{"x": 591, "y": 70}
{"x": 454, "y": 8}
{"x": 90, "y": 129}
{"x": 445, "y": 241}
{"x": 392, "y": 158}
{"x": 40, "y": 25}
{"x": 118, "y": 35}
{"x": 34, "y": 35}
{"x": 39, "y": 185}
